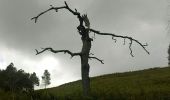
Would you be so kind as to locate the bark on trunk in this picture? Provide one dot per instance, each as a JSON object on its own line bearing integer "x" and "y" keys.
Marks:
{"x": 85, "y": 77}
{"x": 85, "y": 66}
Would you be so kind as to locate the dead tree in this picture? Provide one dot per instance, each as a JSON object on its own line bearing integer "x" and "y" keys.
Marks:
{"x": 84, "y": 30}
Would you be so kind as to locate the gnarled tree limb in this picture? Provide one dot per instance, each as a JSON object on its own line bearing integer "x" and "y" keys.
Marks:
{"x": 58, "y": 8}
{"x": 57, "y": 51}
{"x": 96, "y": 59}
{"x": 52, "y": 8}
{"x": 124, "y": 37}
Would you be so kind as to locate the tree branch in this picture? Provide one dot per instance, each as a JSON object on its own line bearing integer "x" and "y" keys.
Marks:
{"x": 57, "y": 8}
{"x": 96, "y": 59}
{"x": 52, "y": 8}
{"x": 57, "y": 51}
{"x": 124, "y": 37}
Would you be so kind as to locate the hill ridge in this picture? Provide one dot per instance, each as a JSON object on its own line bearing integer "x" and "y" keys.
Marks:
{"x": 147, "y": 84}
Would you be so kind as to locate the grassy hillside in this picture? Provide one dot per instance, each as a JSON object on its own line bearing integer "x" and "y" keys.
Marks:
{"x": 150, "y": 84}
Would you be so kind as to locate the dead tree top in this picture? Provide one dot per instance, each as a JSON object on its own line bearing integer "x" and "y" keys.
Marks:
{"x": 81, "y": 20}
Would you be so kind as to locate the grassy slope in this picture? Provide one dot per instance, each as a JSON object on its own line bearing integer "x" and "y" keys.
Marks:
{"x": 150, "y": 84}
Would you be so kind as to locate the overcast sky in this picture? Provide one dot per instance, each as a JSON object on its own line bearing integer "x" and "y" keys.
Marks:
{"x": 145, "y": 20}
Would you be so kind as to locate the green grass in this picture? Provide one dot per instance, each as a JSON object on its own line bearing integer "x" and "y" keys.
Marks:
{"x": 9, "y": 96}
{"x": 149, "y": 84}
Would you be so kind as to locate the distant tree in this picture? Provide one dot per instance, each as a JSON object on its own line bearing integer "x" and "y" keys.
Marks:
{"x": 84, "y": 29}
{"x": 34, "y": 79}
{"x": 169, "y": 55}
{"x": 46, "y": 78}
{"x": 10, "y": 68}
{"x": 24, "y": 81}
{"x": 2, "y": 79}
{"x": 13, "y": 80}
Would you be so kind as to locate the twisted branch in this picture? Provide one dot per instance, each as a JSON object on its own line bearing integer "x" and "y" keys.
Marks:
{"x": 96, "y": 59}
{"x": 124, "y": 37}
{"x": 52, "y": 8}
{"x": 57, "y": 51}
{"x": 58, "y": 8}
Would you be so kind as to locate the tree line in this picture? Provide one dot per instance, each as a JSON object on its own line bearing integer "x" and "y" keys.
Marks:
{"x": 14, "y": 80}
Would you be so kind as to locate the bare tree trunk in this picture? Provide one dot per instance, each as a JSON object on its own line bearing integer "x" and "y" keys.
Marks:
{"x": 85, "y": 77}
{"x": 84, "y": 65}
